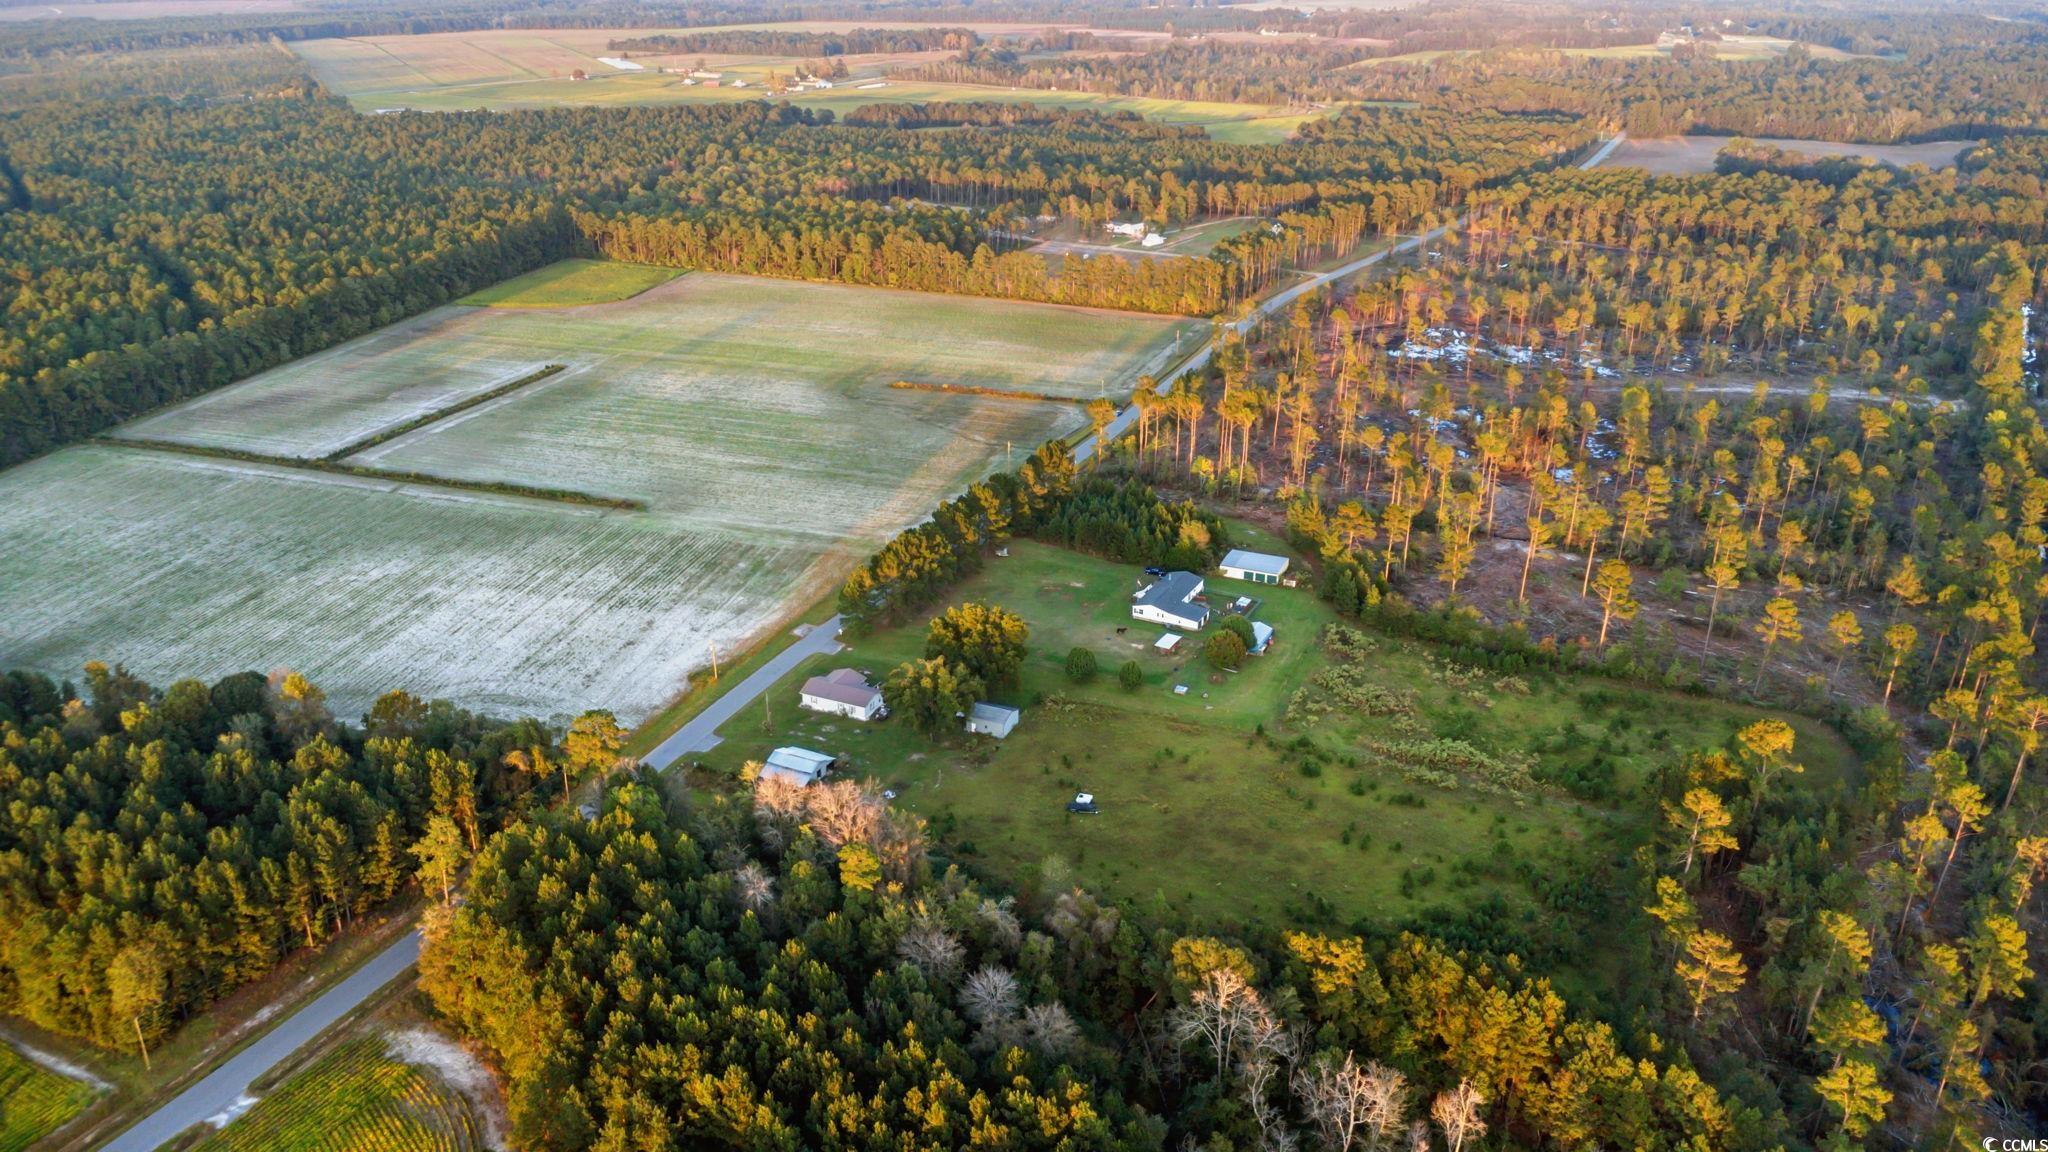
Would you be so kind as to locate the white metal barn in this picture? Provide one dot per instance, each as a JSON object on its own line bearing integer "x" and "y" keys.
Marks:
{"x": 1170, "y": 600}
{"x": 843, "y": 692}
{"x": 1257, "y": 567}
{"x": 797, "y": 765}
{"x": 992, "y": 720}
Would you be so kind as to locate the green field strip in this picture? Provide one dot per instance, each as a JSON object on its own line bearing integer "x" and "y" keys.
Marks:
{"x": 438, "y": 414}
{"x": 338, "y": 468}
{"x": 988, "y": 393}
{"x": 35, "y": 1102}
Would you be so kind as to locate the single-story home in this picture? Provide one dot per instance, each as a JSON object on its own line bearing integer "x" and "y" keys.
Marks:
{"x": 843, "y": 692}
{"x": 797, "y": 765}
{"x": 995, "y": 720}
{"x": 1257, "y": 567}
{"x": 1262, "y": 638}
{"x": 1170, "y": 600}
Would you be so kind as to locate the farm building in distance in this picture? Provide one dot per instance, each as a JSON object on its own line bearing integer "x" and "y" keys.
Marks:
{"x": 995, "y": 720}
{"x": 843, "y": 692}
{"x": 797, "y": 765}
{"x": 1170, "y": 600}
{"x": 1257, "y": 567}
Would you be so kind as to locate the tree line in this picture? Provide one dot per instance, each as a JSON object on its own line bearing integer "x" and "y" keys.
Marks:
{"x": 788, "y": 970}
{"x": 170, "y": 246}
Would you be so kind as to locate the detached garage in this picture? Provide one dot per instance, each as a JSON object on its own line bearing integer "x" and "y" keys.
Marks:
{"x": 1257, "y": 567}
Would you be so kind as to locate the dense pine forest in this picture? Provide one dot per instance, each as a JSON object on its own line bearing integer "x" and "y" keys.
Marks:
{"x": 160, "y": 848}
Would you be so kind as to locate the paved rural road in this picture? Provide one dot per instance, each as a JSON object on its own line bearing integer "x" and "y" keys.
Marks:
{"x": 1279, "y": 300}
{"x": 230, "y": 1082}
{"x": 701, "y": 733}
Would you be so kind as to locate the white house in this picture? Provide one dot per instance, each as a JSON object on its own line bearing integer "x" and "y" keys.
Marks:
{"x": 1170, "y": 600}
{"x": 1257, "y": 567}
{"x": 1133, "y": 230}
{"x": 1152, "y": 240}
{"x": 992, "y": 720}
{"x": 797, "y": 765}
{"x": 843, "y": 692}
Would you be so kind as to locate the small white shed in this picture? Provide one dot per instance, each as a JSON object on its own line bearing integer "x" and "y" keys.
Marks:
{"x": 797, "y": 765}
{"x": 995, "y": 720}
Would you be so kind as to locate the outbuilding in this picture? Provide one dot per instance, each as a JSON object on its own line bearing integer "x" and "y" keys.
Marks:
{"x": 1262, "y": 638}
{"x": 1172, "y": 600}
{"x": 1257, "y": 567}
{"x": 843, "y": 692}
{"x": 797, "y": 765}
{"x": 995, "y": 720}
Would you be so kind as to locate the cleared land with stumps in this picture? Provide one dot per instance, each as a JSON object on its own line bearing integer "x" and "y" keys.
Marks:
{"x": 1694, "y": 155}
{"x": 753, "y": 419}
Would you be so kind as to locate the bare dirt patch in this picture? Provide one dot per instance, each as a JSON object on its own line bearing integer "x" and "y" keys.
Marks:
{"x": 1694, "y": 155}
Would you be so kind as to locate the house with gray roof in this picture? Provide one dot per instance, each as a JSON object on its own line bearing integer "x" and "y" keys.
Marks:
{"x": 1173, "y": 600}
{"x": 843, "y": 692}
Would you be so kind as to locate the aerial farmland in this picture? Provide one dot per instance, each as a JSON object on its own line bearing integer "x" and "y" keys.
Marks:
{"x": 577, "y": 503}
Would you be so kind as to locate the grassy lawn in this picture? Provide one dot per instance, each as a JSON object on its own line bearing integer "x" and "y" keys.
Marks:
{"x": 570, "y": 283}
{"x": 1217, "y": 802}
{"x": 34, "y": 1101}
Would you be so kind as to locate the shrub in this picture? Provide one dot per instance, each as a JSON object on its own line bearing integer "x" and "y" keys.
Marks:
{"x": 1226, "y": 649}
{"x": 1131, "y": 675}
{"x": 1081, "y": 665}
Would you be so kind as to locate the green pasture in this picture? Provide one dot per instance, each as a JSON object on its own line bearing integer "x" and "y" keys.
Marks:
{"x": 571, "y": 283}
{"x": 1218, "y": 803}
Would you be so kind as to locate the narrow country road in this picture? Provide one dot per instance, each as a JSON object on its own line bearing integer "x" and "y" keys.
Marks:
{"x": 701, "y": 733}
{"x": 1277, "y": 301}
{"x": 229, "y": 1084}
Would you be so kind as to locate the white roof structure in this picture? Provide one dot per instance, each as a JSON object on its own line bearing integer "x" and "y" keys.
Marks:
{"x": 797, "y": 765}
{"x": 1263, "y": 563}
{"x": 1262, "y": 635}
{"x": 1168, "y": 642}
{"x": 843, "y": 686}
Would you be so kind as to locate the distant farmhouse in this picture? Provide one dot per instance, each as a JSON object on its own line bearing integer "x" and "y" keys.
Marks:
{"x": 797, "y": 765}
{"x": 1171, "y": 600}
{"x": 843, "y": 692}
{"x": 992, "y": 720}
{"x": 1257, "y": 567}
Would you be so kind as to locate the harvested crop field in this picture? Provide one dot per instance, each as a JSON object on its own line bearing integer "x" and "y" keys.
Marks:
{"x": 752, "y": 418}
{"x": 1693, "y": 155}
{"x": 506, "y": 69}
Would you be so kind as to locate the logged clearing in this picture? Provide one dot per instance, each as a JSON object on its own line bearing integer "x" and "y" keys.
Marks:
{"x": 1693, "y": 155}
{"x": 358, "y": 1097}
{"x": 34, "y": 1101}
{"x": 499, "y": 69}
{"x": 753, "y": 417}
